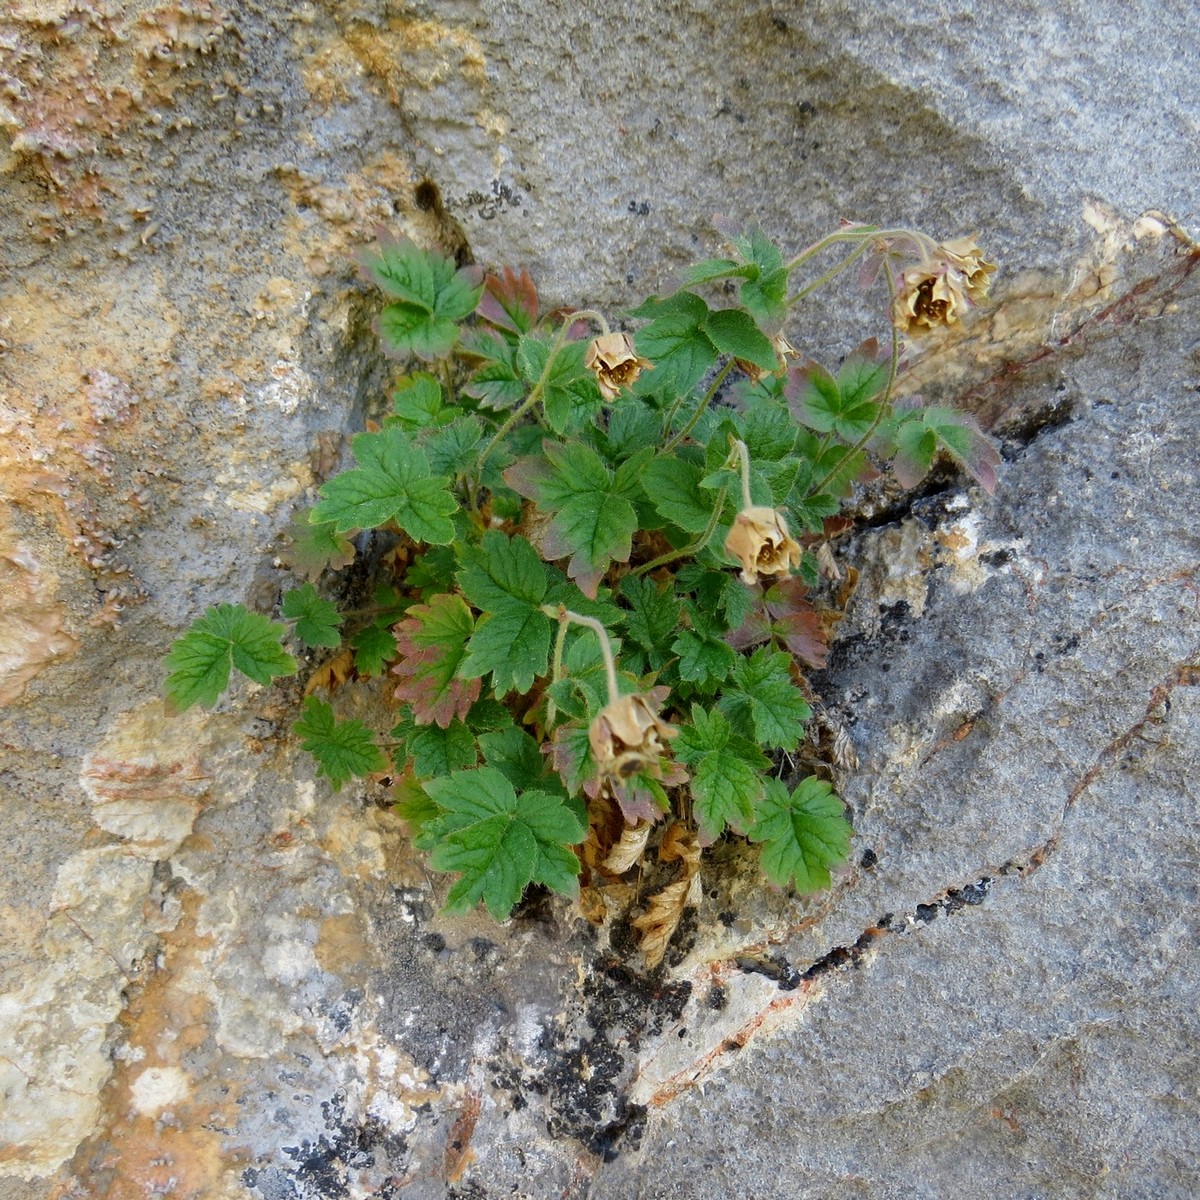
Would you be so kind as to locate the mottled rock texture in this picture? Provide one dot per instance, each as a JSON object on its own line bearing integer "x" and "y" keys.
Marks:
{"x": 217, "y": 979}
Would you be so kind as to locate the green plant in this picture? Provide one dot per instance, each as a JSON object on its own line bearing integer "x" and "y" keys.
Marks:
{"x": 578, "y": 675}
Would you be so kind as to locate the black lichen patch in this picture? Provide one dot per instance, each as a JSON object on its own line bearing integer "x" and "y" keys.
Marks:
{"x": 588, "y": 1077}
{"x": 324, "y": 1168}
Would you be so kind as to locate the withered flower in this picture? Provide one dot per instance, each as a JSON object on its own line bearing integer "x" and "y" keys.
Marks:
{"x": 939, "y": 290}
{"x": 615, "y": 363}
{"x": 783, "y": 351}
{"x": 975, "y": 269}
{"x": 625, "y": 736}
{"x": 761, "y": 542}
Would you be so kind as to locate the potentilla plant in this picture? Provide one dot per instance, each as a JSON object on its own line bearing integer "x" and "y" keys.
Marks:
{"x": 596, "y": 606}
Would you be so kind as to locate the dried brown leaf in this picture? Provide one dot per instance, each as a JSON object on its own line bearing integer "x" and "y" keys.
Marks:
{"x": 629, "y": 850}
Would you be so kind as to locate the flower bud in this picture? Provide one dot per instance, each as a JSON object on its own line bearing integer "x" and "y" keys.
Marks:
{"x": 761, "y": 542}
{"x": 625, "y": 736}
{"x": 614, "y": 362}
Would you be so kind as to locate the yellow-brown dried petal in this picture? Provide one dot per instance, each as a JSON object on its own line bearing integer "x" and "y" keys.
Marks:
{"x": 615, "y": 363}
{"x": 626, "y": 736}
{"x": 761, "y": 542}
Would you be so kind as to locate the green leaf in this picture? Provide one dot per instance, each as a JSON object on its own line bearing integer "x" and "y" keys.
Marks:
{"x": 342, "y": 748}
{"x": 768, "y": 431}
{"x": 652, "y": 620}
{"x": 432, "y": 571}
{"x": 498, "y": 841}
{"x": 763, "y": 702}
{"x": 409, "y": 329}
{"x": 675, "y": 341}
{"x": 705, "y": 661}
{"x": 505, "y": 579}
{"x": 513, "y": 644}
{"x": 631, "y": 427}
{"x": 316, "y": 546}
{"x": 226, "y": 636}
{"x": 454, "y": 449}
{"x": 757, "y": 248}
{"x": 316, "y": 620}
{"x": 766, "y": 297}
{"x": 673, "y": 486}
{"x": 434, "y": 752}
{"x": 432, "y": 647}
{"x": 726, "y": 772}
{"x": 864, "y": 375}
{"x": 431, "y": 294}
{"x": 593, "y": 517}
{"x": 570, "y": 394}
{"x": 496, "y": 382}
{"x": 374, "y": 648}
{"x": 846, "y": 405}
{"x": 710, "y": 269}
{"x": 734, "y": 332}
{"x": 392, "y": 482}
{"x": 959, "y": 434}
{"x": 803, "y": 835}
{"x": 502, "y": 569}
{"x": 418, "y": 403}
{"x": 518, "y": 758}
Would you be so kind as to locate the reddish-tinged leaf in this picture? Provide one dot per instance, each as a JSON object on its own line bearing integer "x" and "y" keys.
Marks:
{"x": 509, "y": 301}
{"x": 526, "y": 476}
{"x": 431, "y": 644}
{"x": 798, "y": 622}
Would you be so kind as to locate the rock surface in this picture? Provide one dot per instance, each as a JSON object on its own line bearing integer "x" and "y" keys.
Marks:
{"x": 217, "y": 979}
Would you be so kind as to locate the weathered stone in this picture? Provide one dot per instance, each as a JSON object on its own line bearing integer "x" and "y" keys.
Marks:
{"x": 217, "y": 979}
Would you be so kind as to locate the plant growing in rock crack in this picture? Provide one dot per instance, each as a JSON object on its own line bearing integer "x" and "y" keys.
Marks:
{"x": 600, "y": 567}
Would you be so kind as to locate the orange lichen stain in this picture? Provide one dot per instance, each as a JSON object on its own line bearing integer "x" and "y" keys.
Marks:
{"x": 80, "y": 76}
{"x": 414, "y": 53}
{"x": 71, "y": 410}
{"x": 458, "y": 1154}
{"x": 158, "y": 1135}
{"x": 342, "y": 948}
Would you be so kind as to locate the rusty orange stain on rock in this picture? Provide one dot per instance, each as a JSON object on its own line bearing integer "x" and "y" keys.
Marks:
{"x": 159, "y": 1129}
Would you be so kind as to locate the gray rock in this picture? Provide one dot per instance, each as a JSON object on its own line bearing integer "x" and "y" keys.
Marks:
{"x": 218, "y": 979}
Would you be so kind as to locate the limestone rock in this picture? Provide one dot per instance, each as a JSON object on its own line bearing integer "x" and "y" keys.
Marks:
{"x": 218, "y": 979}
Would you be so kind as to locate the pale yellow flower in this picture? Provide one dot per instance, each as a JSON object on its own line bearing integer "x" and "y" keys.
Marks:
{"x": 939, "y": 290}
{"x": 761, "y": 542}
{"x": 625, "y": 736}
{"x": 967, "y": 257}
{"x": 615, "y": 363}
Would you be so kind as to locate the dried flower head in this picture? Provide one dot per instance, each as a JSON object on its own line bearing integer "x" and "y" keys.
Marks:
{"x": 939, "y": 290}
{"x": 975, "y": 269}
{"x": 761, "y": 542}
{"x": 783, "y": 351}
{"x": 615, "y": 363}
{"x": 625, "y": 736}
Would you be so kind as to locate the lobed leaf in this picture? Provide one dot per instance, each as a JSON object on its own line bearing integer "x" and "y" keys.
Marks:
{"x": 226, "y": 636}
{"x": 726, "y": 772}
{"x": 499, "y": 842}
{"x": 316, "y": 620}
{"x": 391, "y": 482}
{"x": 432, "y": 647}
{"x": 343, "y": 749}
{"x": 804, "y": 834}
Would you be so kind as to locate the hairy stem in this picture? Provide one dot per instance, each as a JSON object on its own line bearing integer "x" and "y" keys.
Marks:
{"x": 565, "y": 615}
{"x": 701, "y": 408}
{"x": 692, "y": 547}
{"x": 884, "y": 400}
{"x": 744, "y": 459}
{"x": 538, "y": 388}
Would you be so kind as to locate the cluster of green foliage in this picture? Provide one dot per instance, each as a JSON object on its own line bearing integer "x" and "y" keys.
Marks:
{"x": 519, "y": 501}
